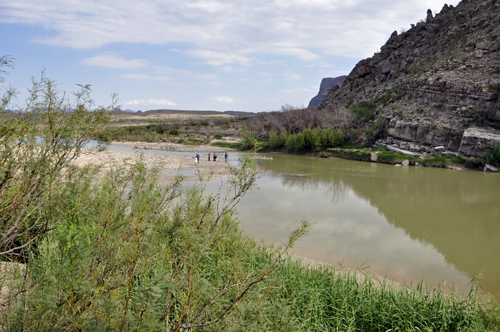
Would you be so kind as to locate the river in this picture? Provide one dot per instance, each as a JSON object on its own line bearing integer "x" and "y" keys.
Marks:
{"x": 406, "y": 223}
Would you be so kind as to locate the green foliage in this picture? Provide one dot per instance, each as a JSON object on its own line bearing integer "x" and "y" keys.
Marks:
{"x": 328, "y": 300}
{"x": 219, "y": 136}
{"x": 229, "y": 145}
{"x": 364, "y": 111}
{"x": 314, "y": 140}
{"x": 5, "y": 61}
{"x": 357, "y": 155}
{"x": 37, "y": 146}
{"x": 398, "y": 109}
{"x": 493, "y": 156}
{"x": 435, "y": 161}
{"x": 377, "y": 129}
{"x": 193, "y": 143}
{"x": 249, "y": 141}
{"x": 121, "y": 252}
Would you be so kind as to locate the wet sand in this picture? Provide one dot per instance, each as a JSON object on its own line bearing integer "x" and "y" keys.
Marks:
{"x": 109, "y": 160}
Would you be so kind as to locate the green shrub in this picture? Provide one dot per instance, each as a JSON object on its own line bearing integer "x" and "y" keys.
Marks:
{"x": 365, "y": 110}
{"x": 493, "y": 156}
{"x": 377, "y": 129}
{"x": 218, "y": 136}
{"x": 314, "y": 140}
{"x": 173, "y": 132}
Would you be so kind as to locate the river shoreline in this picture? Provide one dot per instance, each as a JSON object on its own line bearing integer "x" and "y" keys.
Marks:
{"x": 168, "y": 165}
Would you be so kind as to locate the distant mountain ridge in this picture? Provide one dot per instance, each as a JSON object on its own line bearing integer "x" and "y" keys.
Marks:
{"x": 326, "y": 84}
{"x": 437, "y": 83}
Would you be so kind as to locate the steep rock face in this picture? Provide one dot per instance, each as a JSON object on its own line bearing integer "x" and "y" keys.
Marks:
{"x": 436, "y": 81}
{"x": 326, "y": 84}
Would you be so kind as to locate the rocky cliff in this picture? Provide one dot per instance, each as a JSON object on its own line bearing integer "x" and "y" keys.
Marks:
{"x": 437, "y": 83}
{"x": 325, "y": 86}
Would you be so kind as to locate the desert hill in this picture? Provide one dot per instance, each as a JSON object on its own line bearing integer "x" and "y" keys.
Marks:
{"x": 437, "y": 83}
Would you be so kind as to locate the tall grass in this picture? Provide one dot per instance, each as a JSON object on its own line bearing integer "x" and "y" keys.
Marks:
{"x": 322, "y": 299}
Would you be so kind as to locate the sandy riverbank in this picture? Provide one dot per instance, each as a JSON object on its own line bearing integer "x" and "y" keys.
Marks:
{"x": 177, "y": 147}
{"x": 110, "y": 160}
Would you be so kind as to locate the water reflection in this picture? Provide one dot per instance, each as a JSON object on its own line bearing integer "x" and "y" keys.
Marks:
{"x": 404, "y": 222}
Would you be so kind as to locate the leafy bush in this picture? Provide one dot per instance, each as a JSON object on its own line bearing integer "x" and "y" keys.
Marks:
{"x": 308, "y": 140}
{"x": 219, "y": 136}
{"x": 37, "y": 146}
{"x": 377, "y": 129}
{"x": 493, "y": 156}
{"x": 173, "y": 132}
{"x": 364, "y": 111}
{"x": 249, "y": 141}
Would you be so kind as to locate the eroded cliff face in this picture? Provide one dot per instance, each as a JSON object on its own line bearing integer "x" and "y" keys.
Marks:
{"x": 437, "y": 83}
{"x": 325, "y": 86}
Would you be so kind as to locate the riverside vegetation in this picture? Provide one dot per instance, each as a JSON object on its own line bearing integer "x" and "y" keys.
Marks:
{"x": 342, "y": 133}
{"x": 121, "y": 252}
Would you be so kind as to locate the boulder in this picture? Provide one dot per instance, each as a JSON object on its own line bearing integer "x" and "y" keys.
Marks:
{"x": 476, "y": 140}
{"x": 374, "y": 157}
{"x": 489, "y": 168}
{"x": 385, "y": 66}
{"x": 406, "y": 162}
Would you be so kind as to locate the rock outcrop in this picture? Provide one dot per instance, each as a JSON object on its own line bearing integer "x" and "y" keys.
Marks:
{"x": 326, "y": 84}
{"x": 437, "y": 83}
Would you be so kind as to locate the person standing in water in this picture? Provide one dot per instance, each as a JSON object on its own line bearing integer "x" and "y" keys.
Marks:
{"x": 215, "y": 157}
{"x": 209, "y": 156}
{"x": 225, "y": 156}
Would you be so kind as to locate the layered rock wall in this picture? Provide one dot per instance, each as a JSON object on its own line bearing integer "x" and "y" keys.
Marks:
{"x": 436, "y": 81}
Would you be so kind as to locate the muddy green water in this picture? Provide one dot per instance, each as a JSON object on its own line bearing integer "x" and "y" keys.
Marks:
{"x": 406, "y": 223}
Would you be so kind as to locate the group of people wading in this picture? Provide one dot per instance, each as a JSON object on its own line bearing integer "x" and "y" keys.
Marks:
{"x": 197, "y": 157}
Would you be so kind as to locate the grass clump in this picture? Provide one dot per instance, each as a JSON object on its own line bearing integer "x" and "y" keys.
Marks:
{"x": 325, "y": 300}
{"x": 358, "y": 155}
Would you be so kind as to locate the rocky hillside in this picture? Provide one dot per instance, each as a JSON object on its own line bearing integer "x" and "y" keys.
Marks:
{"x": 438, "y": 83}
{"x": 326, "y": 84}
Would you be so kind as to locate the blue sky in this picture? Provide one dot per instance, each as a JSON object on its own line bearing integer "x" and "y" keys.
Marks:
{"x": 252, "y": 55}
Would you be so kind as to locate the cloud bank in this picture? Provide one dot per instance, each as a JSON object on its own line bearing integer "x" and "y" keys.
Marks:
{"x": 151, "y": 102}
{"x": 222, "y": 31}
{"x": 223, "y": 99}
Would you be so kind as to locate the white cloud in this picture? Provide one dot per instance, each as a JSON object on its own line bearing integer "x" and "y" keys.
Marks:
{"x": 291, "y": 76}
{"x": 301, "y": 90}
{"x": 151, "y": 101}
{"x": 223, "y": 31}
{"x": 219, "y": 58}
{"x": 146, "y": 77}
{"x": 111, "y": 60}
{"x": 223, "y": 99}
{"x": 200, "y": 76}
